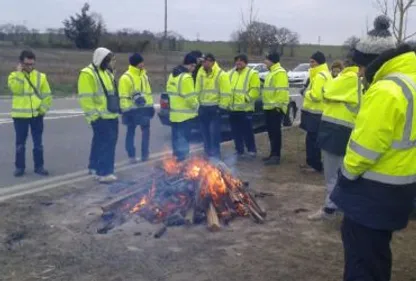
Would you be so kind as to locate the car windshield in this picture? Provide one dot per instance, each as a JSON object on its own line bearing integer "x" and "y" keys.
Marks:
{"x": 302, "y": 67}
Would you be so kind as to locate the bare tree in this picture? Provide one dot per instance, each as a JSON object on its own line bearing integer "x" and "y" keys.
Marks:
{"x": 351, "y": 42}
{"x": 398, "y": 12}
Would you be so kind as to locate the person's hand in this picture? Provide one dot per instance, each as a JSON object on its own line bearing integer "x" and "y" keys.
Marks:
{"x": 19, "y": 67}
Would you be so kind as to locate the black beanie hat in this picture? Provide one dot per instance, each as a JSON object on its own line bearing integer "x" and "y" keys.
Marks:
{"x": 189, "y": 59}
{"x": 319, "y": 57}
{"x": 273, "y": 57}
{"x": 135, "y": 59}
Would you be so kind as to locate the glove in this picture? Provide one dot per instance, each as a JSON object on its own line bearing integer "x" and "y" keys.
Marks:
{"x": 139, "y": 99}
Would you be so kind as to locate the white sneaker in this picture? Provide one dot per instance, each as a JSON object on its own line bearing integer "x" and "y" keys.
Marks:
{"x": 107, "y": 179}
{"x": 93, "y": 173}
{"x": 321, "y": 215}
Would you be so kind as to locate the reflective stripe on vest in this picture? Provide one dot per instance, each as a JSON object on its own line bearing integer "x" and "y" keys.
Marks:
{"x": 97, "y": 81}
{"x": 215, "y": 91}
{"x": 355, "y": 109}
{"x": 322, "y": 91}
{"x": 404, "y": 143}
{"x": 275, "y": 89}
{"x": 179, "y": 94}
{"x": 242, "y": 91}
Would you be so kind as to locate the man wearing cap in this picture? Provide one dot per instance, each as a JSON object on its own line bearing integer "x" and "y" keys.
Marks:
{"x": 245, "y": 89}
{"x": 136, "y": 103}
{"x": 312, "y": 109}
{"x": 214, "y": 92}
{"x": 184, "y": 105}
{"x": 377, "y": 183}
{"x": 275, "y": 95}
{"x": 99, "y": 100}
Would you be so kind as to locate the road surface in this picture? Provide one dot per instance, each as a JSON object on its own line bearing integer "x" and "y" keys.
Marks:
{"x": 67, "y": 140}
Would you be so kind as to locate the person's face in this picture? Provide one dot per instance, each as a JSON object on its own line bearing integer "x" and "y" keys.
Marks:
{"x": 191, "y": 67}
{"x": 112, "y": 64}
{"x": 140, "y": 66}
{"x": 28, "y": 65}
{"x": 239, "y": 64}
{"x": 313, "y": 63}
{"x": 208, "y": 64}
{"x": 268, "y": 63}
{"x": 335, "y": 71}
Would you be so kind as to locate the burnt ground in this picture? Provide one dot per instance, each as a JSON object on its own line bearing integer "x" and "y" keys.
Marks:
{"x": 53, "y": 235}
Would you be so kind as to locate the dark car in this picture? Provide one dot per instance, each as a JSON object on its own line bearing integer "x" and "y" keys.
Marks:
{"x": 258, "y": 115}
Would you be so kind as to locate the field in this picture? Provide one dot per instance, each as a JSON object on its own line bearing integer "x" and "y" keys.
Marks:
{"x": 53, "y": 235}
{"x": 63, "y": 66}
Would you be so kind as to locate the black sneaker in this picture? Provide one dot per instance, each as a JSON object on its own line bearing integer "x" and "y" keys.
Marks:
{"x": 41, "y": 171}
{"x": 275, "y": 160}
{"x": 266, "y": 158}
{"x": 19, "y": 172}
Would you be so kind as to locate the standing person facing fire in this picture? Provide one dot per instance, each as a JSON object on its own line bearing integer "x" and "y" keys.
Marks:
{"x": 136, "y": 103}
{"x": 275, "y": 95}
{"x": 183, "y": 106}
{"x": 377, "y": 185}
{"x": 98, "y": 98}
{"x": 32, "y": 99}
{"x": 245, "y": 89}
{"x": 312, "y": 109}
{"x": 214, "y": 91}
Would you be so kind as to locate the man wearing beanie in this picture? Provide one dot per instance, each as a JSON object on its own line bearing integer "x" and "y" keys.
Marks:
{"x": 319, "y": 76}
{"x": 199, "y": 60}
{"x": 214, "y": 92}
{"x": 245, "y": 88}
{"x": 136, "y": 103}
{"x": 377, "y": 183}
{"x": 342, "y": 97}
{"x": 98, "y": 98}
{"x": 183, "y": 105}
{"x": 275, "y": 95}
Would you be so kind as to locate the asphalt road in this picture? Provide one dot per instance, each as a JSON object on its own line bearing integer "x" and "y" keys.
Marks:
{"x": 67, "y": 139}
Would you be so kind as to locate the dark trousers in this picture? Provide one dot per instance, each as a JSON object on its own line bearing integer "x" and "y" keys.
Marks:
{"x": 21, "y": 127}
{"x": 274, "y": 130}
{"x": 313, "y": 152}
{"x": 367, "y": 252}
{"x": 181, "y": 138}
{"x": 129, "y": 144}
{"x": 103, "y": 146}
{"x": 210, "y": 122}
{"x": 242, "y": 130}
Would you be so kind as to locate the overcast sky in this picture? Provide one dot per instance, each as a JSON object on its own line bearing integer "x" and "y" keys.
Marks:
{"x": 331, "y": 20}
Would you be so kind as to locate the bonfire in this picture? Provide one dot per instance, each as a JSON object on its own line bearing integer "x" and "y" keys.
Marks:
{"x": 194, "y": 191}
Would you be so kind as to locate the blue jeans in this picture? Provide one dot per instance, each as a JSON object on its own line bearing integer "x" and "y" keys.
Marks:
{"x": 103, "y": 146}
{"x": 181, "y": 137}
{"x": 21, "y": 127}
{"x": 129, "y": 144}
{"x": 210, "y": 122}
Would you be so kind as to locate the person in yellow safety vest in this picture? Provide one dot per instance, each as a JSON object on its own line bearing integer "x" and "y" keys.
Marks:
{"x": 275, "y": 97}
{"x": 199, "y": 60}
{"x": 245, "y": 89}
{"x": 377, "y": 184}
{"x": 32, "y": 99}
{"x": 312, "y": 109}
{"x": 342, "y": 97}
{"x": 214, "y": 92}
{"x": 183, "y": 101}
{"x": 98, "y": 98}
{"x": 136, "y": 103}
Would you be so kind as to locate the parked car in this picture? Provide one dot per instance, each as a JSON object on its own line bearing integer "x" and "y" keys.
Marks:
{"x": 299, "y": 75}
{"x": 261, "y": 68}
{"x": 259, "y": 121}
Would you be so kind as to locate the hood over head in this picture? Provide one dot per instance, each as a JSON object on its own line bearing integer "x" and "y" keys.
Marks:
{"x": 99, "y": 55}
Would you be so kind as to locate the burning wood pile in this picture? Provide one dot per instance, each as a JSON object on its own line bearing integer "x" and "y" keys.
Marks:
{"x": 193, "y": 192}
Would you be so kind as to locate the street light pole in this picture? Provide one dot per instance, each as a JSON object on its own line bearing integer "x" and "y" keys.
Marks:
{"x": 165, "y": 45}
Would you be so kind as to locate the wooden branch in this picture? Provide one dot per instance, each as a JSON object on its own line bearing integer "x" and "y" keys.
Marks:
{"x": 260, "y": 210}
{"x": 255, "y": 215}
{"x": 189, "y": 217}
{"x": 212, "y": 218}
{"x": 118, "y": 200}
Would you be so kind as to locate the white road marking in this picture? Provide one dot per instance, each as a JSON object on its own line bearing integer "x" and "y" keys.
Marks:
{"x": 10, "y": 192}
{"x": 9, "y": 120}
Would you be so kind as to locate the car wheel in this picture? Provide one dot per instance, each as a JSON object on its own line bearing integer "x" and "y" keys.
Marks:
{"x": 290, "y": 115}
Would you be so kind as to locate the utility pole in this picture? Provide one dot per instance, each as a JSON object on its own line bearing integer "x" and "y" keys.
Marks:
{"x": 165, "y": 45}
